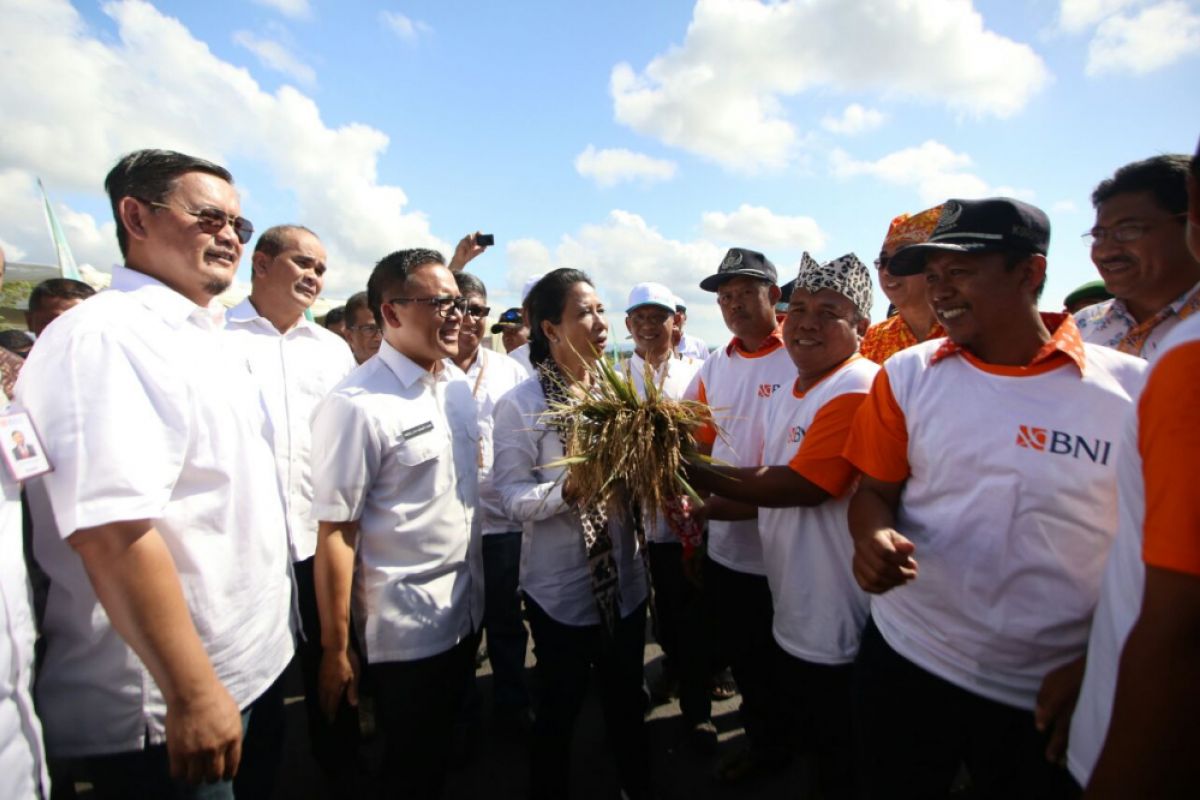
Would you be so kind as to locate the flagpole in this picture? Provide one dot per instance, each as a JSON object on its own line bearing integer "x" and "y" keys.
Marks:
{"x": 66, "y": 261}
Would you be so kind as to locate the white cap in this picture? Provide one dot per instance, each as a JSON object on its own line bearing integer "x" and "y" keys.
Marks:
{"x": 651, "y": 294}
{"x": 529, "y": 284}
{"x": 679, "y": 303}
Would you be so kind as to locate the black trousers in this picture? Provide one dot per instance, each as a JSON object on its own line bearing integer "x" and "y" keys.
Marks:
{"x": 742, "y": 611}
{"x": 565, "y": 657}
{"x": 416, "y": 704}
{"x": 682, "y": 627}
{"x": 817, "y": 697}
{"x": 334, "y": 745}
{"x": 913, "y": 732}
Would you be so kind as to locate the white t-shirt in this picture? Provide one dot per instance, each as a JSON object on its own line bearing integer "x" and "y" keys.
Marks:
{"x": 395, "y": 447}
{"x": 146, "y": 413}
{"x": 1010, "y": 500}
{"x": 736, "y": 385}
{"x": 672, "y": 378}
{"x": 491, "y": 376}
{"x": 22, "y": 757}
{"x": 521, "y": 356}
{"x": 1120, "y": 591}
{"x": 819, "y": 609}
{"x": 294, "y": 370}
{"x": 692, "y": 346}
{"x": 554, "y": 569}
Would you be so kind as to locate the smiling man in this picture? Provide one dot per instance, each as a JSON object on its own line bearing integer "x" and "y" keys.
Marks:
{"x": 395, "y": 477}
{"x": 167, "y": 615}
{"x": 1139, "y": 246}
{"x": 983, "y": 518}
{"x": 801, "y": 491}
{"x": 295, "y": 363}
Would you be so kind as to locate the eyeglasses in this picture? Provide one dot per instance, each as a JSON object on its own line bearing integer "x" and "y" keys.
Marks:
{"x": 882, "y": 262}
{"x": 369, "y": 329}
{"x": 1125, "y": 232}
{"x": 478, "y": 312}
{"x": 443, "y": 304}
{"x": 212, "y": 220}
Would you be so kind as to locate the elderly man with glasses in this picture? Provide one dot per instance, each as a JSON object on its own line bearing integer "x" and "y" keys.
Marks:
{"x": 395, "y": 477}
{"x": 1139, "y": 247}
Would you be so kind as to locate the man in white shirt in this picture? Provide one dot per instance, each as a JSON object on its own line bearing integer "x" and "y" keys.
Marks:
{"x": 295, "y": 363}
{"x": 1139, "y": 247}
{"x": 362, "y": 332}
{"x": 167, "y": 615}
{"x": 491, "y": 375}
{"x": 680, "y": 625}
{"x": 395, "y": 477}
{"x": 686, "y": 344}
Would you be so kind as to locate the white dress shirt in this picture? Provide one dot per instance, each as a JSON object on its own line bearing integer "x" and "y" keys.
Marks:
{"x": 395, "y": 447}
{"x": 294, "y": 370}
{"x": 22, "y": 757}
{"x": 521, "y": 356}
{"x": 145, "y": 414}
{"x": 491, "y": 376}
{"x": 554, "y": 569}
{"x": 692, "y": 346}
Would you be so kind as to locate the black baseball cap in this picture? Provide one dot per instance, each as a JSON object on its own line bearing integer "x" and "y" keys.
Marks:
{"x": 739, "y": 262}
{"x": 511, "y": 318}
{"x": 992, "y": 225}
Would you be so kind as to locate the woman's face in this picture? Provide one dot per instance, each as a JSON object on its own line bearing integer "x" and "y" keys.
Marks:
{"x": 580, "y": 337}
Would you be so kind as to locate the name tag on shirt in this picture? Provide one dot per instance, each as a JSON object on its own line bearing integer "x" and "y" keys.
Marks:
{"x": 412, "y": 433}
{"x": 24, "y": 454}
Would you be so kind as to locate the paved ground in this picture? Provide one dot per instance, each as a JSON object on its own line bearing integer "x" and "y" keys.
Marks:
{"x": 496, "y": 765}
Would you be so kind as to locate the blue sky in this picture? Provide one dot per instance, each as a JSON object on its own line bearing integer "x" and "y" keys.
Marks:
{"x": 635, "y": 140}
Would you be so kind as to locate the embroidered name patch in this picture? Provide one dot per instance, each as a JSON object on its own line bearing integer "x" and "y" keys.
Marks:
{"x": 424, "y": 427}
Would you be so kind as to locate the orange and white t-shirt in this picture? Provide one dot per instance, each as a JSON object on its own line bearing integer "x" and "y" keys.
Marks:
{"x": 737, "y": 386}
{"x": 819, "y": 609}
{"x": 1009, "y": 495}
{"x": 1157, "y": 495}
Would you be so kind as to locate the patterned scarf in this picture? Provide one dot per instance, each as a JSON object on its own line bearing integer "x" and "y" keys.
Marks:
{"x": 593, "y": 519}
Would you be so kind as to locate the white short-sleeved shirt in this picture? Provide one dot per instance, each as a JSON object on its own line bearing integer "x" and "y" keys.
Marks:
{"x": 1010, "y": 500}
{"x": 819, "y": 609}
{"x": 521, "y": 356}
{"x": 294, "y": 370}
{"x": 554, "y": 569}
{"x": 146, "y": 413}
{"x": 736, "y": 385}
{"x": 395, "y": 447}
{"x": 692, "y": 346}
{"x": 491, "y": 376}
{"x": 22, "y": 756}
{"x": 1121, "y": 592}
{"x": 673, "y": 378}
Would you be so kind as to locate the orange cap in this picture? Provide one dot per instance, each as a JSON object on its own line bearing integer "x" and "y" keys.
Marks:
{"x": 906, "y": 230}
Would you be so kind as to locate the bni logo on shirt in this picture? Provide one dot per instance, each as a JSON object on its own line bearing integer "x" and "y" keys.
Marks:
{"x": 1061, "y": 443}
{"x": 795, "y": 434}
{"x": 767, "y": 389}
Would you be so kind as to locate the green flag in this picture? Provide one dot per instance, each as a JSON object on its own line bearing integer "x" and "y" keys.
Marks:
{"x": 66, "y": 261}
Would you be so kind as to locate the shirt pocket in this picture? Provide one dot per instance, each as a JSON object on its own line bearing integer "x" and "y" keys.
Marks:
{"x": 425, "y": 464}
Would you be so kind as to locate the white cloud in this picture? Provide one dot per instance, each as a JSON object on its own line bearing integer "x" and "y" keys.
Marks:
{"x": 720, "y": 93}
{"x": 92, "y": 241}
{"x": 612, "y": 166}
{"x": 761, "y": 227}
{"x": 1156, "y": 37}
{"x": 404, "y": 27}
{"x": 932, "y": 168}
{"x": 296, "y": 9}
{"x": 1076, "y": 16}
{"x": 275, "y": 56}
{"x": 122, "y": 87}
{"x": 854, "y": 119}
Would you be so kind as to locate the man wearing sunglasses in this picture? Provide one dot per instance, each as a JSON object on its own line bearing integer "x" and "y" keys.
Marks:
{"x": 1139, "y": 247}
{"x": 395, "y": 477}
{"x": 167, "y": 616}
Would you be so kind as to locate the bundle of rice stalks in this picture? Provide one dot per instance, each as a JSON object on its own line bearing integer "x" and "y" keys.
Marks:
{"x": 614, "y": 436}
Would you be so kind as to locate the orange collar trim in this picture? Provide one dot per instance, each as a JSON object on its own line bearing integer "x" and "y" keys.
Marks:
{"x": 773, "y": 342}
{"x": 1065, "y": 341}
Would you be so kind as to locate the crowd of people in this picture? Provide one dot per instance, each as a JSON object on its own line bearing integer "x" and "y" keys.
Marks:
{"x": 958, "y": 545}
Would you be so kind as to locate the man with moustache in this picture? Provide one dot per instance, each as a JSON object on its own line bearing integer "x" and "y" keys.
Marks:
{"x": 167, "y": 614}
{"x": 362, "y": 332}
{"x": 395, "y": 480}
{"x": 295, "y": 362}
{"x": 1139, "y": 247}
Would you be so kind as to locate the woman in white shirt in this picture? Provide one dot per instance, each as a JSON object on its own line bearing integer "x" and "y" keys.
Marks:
{"x": 581, "y": 569}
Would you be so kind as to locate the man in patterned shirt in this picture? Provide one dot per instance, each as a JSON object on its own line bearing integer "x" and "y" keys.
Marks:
{"x": 1139, "y": 248}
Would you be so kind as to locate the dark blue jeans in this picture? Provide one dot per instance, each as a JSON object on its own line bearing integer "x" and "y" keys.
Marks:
{"x": 503, "y": 621}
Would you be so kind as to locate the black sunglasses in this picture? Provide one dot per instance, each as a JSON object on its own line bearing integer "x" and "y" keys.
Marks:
{"x": 212, "y": 220}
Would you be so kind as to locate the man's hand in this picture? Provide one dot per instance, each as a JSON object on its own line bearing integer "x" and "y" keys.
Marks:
{"x": 338, "y": 676}
{"x": 466, "y": 250}
{"x": 204, "y": 736}
{"x": 1055, "y": 705}
{"x": 883, "y": 561}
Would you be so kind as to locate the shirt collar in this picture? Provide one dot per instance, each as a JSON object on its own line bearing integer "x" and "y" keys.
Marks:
{"x": 169, "y": 304}
{"x": 1064, "y": 339}
{"x": 405, "y": 369}
{"x": 774, "y": 339}
{"x": 245, "y": 313}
